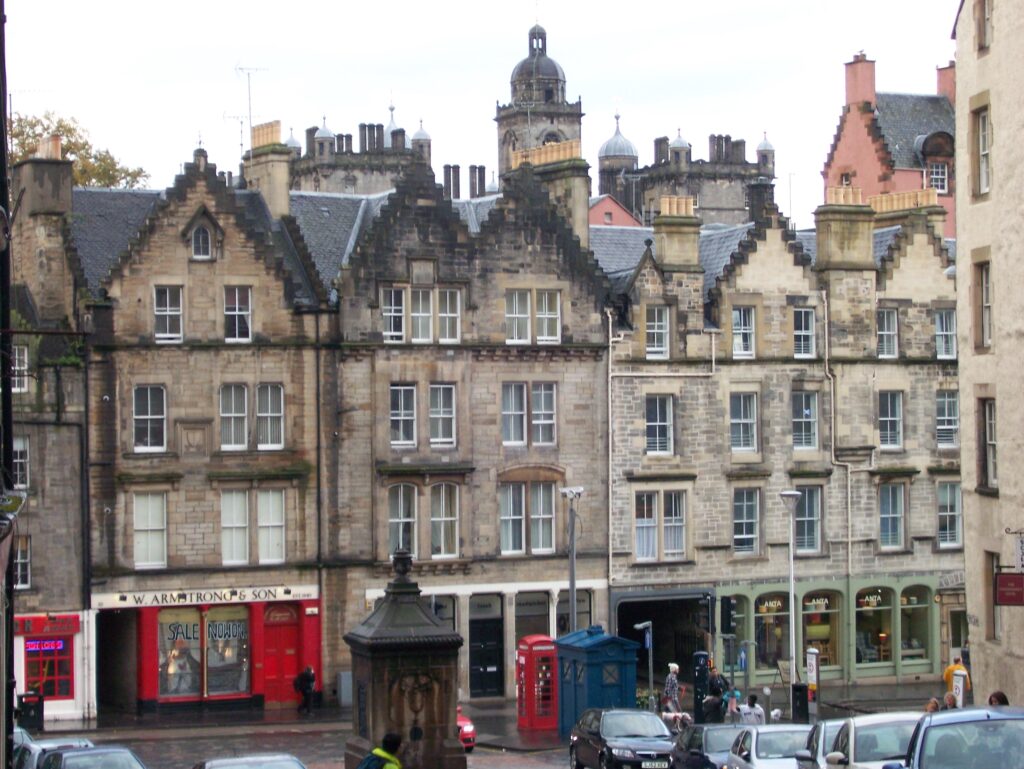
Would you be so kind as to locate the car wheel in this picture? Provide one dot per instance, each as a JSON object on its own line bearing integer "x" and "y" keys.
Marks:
{"x": 573, "y": 763}
{"x": 469, "y": 748}
{"x": 603, "y": 762}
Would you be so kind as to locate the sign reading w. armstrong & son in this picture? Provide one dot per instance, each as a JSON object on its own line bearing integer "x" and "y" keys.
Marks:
{"x": 185, "y": 596}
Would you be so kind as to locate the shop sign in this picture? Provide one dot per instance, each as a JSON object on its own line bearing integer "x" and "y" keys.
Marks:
{"x": 771, "y": 605}
{"x": 53, "y": 624}
{"x": 817, "y": 603}
{"x": 1009, "y": 589}
{"x": 869, "y": 601}
{"x": 191, "y": 597}
{"x": 44, "y": 645}
{"x": 485, "y": 607}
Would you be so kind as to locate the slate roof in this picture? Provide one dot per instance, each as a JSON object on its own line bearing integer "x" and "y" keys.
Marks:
{"x": 903, "y": 117}
{"x": 102, "y": 224}
{"x": 474, "y": 212}
{"x": 882, "y": 239}
{"x": 717, "y": 244}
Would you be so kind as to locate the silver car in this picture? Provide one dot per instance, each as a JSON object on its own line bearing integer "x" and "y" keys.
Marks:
{"x": 867, "y": 742}
{"x": 767, "y": 746}
{"x": 819, "y": 743}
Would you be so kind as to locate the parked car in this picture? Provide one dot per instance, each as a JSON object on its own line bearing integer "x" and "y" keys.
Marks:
{"x": 867, "y": 742}
{"x": 819, "y": 743}
{"x": 609, "y": 739}
{"x": 253, "y": 761}
{"x": 712, "y": 740}
{"x": 21, "y": 736}
{"x": 969, "y": 737}
{"x": 27, "y": 755}
{"x": 767, "y": 746}
{"x": 104, "y": 757}
{"x": 467, "y": 731}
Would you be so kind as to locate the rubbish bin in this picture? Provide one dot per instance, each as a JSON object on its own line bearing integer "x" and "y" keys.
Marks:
{"x": 30, "y": 711}
{"x": 800, "y": 714}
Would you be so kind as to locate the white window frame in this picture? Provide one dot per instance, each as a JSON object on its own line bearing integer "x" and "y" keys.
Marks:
{"x": 269, "y": 417}
{"x": 657, "y": 338}
{"x": 645, "y": 525}
{"x": 270, "y": 525}
{"x": 542, "y": 517}
{"x": 149, "y": 420}
{"x": 402, "y": 415}
{"x": 746, "y": 520}
{"x": 21, "y": 554}
{"x": 888, "y": 326}
{"x": 985, "y": 278}
{"x": 202, "y": 244}
{"x": 543, "y": 413}
{"x": 513, "y": 413}
{"x": 392, "y": 307}
{"x": 938, "y": 176}
{"x": 945, "y": 334}
{"x": 167, "y": 314}
{"x": 949, "y": 531}
{"x": 442, "y": 415}
{"x": 549, "y": 319}
{"x": 673, "y": 524}
{"x": 804, "y": 405}
{"x": 444, "y": 520}
{"x": 743, "y": 421}
{"x": 804, "y": 340}
{"x": 237, "y": 314}
{"x": 891, "y": 507}
{"x": 984, "y": 141}
{"x": 659, "y": 413}
{"x": 234, "y": 527}
{"x": 149, "y": 529}
{"x": 403, "y": 500}
{"x": 234, "y": 417}
{"x": 991, "y": 478}
{"x": 19, "y": 368}
{"x": 743, "y": 336}
{"x": 517, "y": 317}
{"x": 808, "y": 518}
{"x": 20, "y": 461}
{"x": 947, "y": 419}
{"x": 890, "y": 419}
{"x": 449, "y": 318}
{"x": 512, "y": 517}
{"x": 421, "y": 318}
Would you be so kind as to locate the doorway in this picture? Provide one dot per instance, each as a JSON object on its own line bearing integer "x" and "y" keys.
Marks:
{"x": 486, "y": 646}
{"x": 280, "y": 654}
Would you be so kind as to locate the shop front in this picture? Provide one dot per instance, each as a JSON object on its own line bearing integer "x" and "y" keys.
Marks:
{"x": 50, "y": 653}
{"x": 219, "y": 647}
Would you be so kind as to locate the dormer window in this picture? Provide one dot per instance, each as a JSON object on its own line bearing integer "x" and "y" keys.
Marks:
{"x": 201, "y": 243}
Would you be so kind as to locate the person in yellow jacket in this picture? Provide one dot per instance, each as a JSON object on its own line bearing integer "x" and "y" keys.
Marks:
{"x": 949, "y": 672}
{"x": 384, "y": 757}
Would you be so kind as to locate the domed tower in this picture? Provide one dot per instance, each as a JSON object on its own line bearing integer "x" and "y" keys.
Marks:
{"x": 421, "y": 144}
{"x": 616, "y": 168}
{"x": 324, "y": 142}
{"x": 391, "y": 127}
{"x": 766, "y": 158}
{"x": 538, "y": 113}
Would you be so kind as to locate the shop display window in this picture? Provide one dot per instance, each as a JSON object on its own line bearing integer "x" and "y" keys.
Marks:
{"x": 821, "y": 626}
{"x": 874, "y": 625}
{"x": 914, "y": 623}
{"x": 204, "y": 656}
{"x": 179, "y": 639}
{"x": 49, "y": 666}
{"x": 227, "y": 650}
{"x": 771, "y": 629}
{"x": 583, "y": 610}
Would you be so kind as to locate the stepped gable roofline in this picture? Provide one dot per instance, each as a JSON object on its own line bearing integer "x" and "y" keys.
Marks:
{"x": 253, "y": 220}
{"x": 747, "y": 244}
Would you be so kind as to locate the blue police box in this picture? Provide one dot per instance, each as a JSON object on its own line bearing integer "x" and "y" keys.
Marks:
{"x": 595, "y": 670}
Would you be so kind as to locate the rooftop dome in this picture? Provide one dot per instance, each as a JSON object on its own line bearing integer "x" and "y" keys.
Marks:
{"x": 492, "y": 185}
{"x": 679, "y": 143}
{"x": 618, "y": 146}
{"x": 392, "y": 126}
{"x": 538, "y": 65}
{"x": 421, "y": 135}
{"x": 765, "y": 144}
{"x": 323, "y": 132}
{"x": 291, "y": 142}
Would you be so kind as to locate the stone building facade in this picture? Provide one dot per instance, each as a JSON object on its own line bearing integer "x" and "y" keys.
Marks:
{"x": 989, "y": 312}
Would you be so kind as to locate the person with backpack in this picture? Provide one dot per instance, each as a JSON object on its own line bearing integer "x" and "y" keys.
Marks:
{"x": 305, "y": 684}
{"x": 383, "y": 757}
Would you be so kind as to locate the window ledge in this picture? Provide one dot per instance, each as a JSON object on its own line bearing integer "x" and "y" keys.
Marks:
{"x": 987, "y": 491}
{"x": 662, "y": 562}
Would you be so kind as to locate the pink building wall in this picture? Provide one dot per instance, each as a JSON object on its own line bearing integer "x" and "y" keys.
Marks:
{"x": 608, "y": 211}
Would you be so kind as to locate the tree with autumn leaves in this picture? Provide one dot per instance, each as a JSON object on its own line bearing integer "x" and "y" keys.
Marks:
{"x": 90, "y": 167}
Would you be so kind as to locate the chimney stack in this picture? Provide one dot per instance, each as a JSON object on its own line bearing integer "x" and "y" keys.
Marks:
{"x": 661, "y": 150}
{"x": 311, "y": 141}
{"x": 378, "y": 142}
{"x": 472, "y": 182}
{"x": 481, "y": 181}
{"x": 447, "y": 182}
{"x": 363, "y": 138}
{"x": 860, "y": 80}
{"x": 946, "y": 85}
{"x": 456, "y": 193}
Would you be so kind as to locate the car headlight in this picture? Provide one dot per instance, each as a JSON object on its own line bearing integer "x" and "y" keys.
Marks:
{"x": 467, "y": 728}
{"x": 623, "y": 753}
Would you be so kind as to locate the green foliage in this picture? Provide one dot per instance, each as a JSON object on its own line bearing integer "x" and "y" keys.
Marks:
{"x": 92, "y": 167}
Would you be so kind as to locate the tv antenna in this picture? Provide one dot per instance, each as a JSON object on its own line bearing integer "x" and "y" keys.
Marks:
{"x": 248, "y": 85}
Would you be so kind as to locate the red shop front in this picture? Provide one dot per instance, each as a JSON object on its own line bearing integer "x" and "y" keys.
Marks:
{"x": 219, "y": 653}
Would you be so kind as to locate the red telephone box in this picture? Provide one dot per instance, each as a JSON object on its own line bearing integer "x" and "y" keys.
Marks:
{"x": 536, "y": 682}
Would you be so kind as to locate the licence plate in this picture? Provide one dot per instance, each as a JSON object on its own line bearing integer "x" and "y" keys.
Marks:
{"x": 654, "y": 765}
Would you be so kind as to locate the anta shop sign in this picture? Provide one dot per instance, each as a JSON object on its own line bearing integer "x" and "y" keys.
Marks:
{"x": 192, "y": 597}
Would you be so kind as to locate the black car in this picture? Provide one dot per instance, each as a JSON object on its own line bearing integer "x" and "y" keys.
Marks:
{"x": 609, "y": 739}
{"x": 711, "y": 740}
{"x": 90, "y": 758}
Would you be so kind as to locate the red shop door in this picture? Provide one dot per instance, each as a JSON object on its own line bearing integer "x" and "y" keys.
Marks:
{"x": 281, "y": 653}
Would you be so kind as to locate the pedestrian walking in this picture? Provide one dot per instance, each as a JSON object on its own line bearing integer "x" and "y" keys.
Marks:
{"x": 951, "y": 669}
{"x": 948, "y": 701}
{"x": 672, "y": 688}
{"x": 751, "y": 712}
{"x": 997, "y": 698}
{"x": 718, "y": 684}
{"x": 305, "y": 684}
{"x": 383, "y": 757}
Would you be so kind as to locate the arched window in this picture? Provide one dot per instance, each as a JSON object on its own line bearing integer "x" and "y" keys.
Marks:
{"x": 771, "y": 629}
{"x": 874, "y": 625}
{"x": 444, "y": 520}
{"x": 402, "y": 518}
{"x": 915, "y": 615}
{"x": 200, "y": 243}
{"x": 821, "y": 626}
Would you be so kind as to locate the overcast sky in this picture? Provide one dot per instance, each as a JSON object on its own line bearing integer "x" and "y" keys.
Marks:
{"x": 149, "y": 80}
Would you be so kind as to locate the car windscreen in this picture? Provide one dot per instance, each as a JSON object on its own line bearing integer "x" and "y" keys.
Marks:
{"x": 992, "y": 742}
{"x": 882, "y": 742}
{"x": 718, "y": 740}
{"x": 101, "y": 760}
{"x": 780, "y": 744}
{"x": 633, "y": 725}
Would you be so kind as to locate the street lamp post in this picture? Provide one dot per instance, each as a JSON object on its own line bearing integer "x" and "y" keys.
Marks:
{"x": 648, "y": 628}
{"x": 572, "y": 493}
{"x": 791, "y": 497}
